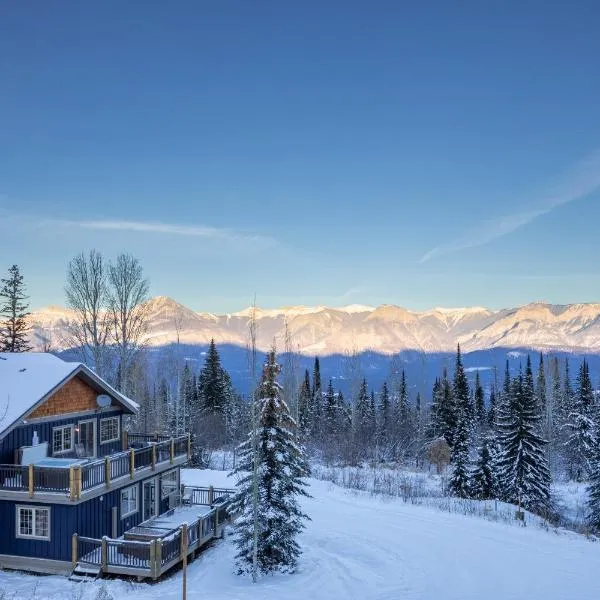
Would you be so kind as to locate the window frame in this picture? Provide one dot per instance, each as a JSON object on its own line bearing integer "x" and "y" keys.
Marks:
{"x": 103, "y": 421}
{"x": 62, "y": 429}
{"x": 34, "y": 510}
{"x": 130, "y": 488}
{"x": 175, "y": 485}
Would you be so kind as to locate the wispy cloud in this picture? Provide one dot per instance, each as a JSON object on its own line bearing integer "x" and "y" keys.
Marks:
{"x": 153, "y": 227}
{"x": 240, "y": 239}
{"x": 582, "y": 180}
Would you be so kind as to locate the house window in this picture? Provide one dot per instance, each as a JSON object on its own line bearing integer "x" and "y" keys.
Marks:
{"x": 109, "y": 430}
{"x": 33, "y": 522}
{"x": 129, "y": 501}
{"x": 168, "y": 483}
{"x": 62, "y": 439}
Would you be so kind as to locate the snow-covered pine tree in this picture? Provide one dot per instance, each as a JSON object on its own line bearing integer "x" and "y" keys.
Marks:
{"x": 523, "y": 476}
{"x": 363, "y": 422}
{"x": 305, "y": 416}
{"x": 594, "y": 492}
{"x": 384, "y": 419}
{"x": 491, "y": 415}
{"x": 480, "y": 414}
{"x": 13, "y": 313}
{"x": 460, "y": 457}
{"x": 482, "y": 479}
{"x": 211, "y": 382}
{"x": 540, "y": 392}
{"x": 580, "y": 445}
{"x": 317, "y": 402}
{"x": 330, "y": 412}
{"x": 281, "y": 471}
{"x": 448, "y": 409}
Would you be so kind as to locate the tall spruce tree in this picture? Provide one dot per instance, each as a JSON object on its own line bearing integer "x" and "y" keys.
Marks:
{"x": 280, "y": 467}
{"x": 491, "y": 415}
{"x": 480, "y": 413}
{"x": 482, "y": 480}
{"x": 384, "y": 420}
{"x": 13, "y": 313}
{"x": 330, "y": 411}
{"x": 459, "y": 459}
{"x": 305, "y": 415}
{"x": 581, "y": 428}
{"x": 594, "y": 492}
{"x": 317, "y": 402}
{"x": 363, "y": 421}
{"x": 212, "y": 385}
{"x": 523, "y": 473}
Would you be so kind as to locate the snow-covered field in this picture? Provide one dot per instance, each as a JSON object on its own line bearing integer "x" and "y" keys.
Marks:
{"x": 365, "y": 547}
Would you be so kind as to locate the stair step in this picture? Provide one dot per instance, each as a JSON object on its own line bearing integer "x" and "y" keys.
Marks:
{"x": 87, "y": 569}
{"x": 85, "y": 572}
{"x": 80, "y": 578}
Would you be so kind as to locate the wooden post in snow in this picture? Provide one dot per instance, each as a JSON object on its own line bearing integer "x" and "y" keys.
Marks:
{"x": 184, "y": 553}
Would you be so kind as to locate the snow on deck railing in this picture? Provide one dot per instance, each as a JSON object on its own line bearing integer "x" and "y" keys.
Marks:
{"x": 79, "y": 478}
{"x": 152, "y": 558}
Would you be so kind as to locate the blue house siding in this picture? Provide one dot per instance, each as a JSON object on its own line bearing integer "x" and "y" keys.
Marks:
{"x": 23, "y": 435}
{"x": 89, "y": 519}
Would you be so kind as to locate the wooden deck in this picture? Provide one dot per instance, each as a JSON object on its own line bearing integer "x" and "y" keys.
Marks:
{"x": 152, "y": 548}
{"x": 144, "y": 452}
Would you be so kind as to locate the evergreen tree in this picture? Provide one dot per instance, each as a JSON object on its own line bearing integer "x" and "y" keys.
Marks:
{"x": 482, "y": 479}
{"x": 331, "y": 411}
{"x": 480, "y": 414}
{"x": 491, "y": 416}
{"x": 403, "y": 425}
{"x": 363, "y": 419}
{"x": 385, "y": 416}
{"x": 305, "y": 415}
{"x": 566, "y": 404}
{"x": 523, "y": 474}
{"x": 448, "y": 414}
{"x": 317, "y": 401}
{"x": 581, "y": 428}
{"x": 13, "y": 313}
{"x": 275, "y": 468}
{"x": 459, "y": 459}
{"x": 540, "y": 389}
{"x": 594, "y": 492}
{"x": 212, "y": 384}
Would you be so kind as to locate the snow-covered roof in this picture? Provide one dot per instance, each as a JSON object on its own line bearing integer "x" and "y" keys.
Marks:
{"x": 28, "y": 378}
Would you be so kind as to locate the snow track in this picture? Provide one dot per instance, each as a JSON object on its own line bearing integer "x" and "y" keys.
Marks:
{"x": 363, "y": 548}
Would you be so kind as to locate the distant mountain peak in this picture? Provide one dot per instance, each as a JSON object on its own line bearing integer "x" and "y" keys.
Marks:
{"x": 387, "y": 328}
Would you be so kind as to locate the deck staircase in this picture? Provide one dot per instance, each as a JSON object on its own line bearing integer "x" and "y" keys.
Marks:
{"x": 85, "y": 572}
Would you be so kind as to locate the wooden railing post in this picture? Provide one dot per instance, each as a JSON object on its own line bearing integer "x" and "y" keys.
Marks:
{"x": 184, "y": 553}
{"x": 31, "y": 482}
{"x": 172, "y": 450}
{"x": 125, "y": 440}
{"x": 74, "y": 545}
{"x": 72, "y": 488}
{"x": 78, "y": 482}
{"x": 158, "y": 557}
{"x": 211, "y": 494}
{"x": 104, "y": 554}
{"x": 153, "y": 455}
{"x": 107, "y": 471}
{"x": 131, "y": 463}
{"x": 152, "y": 560}
{"x": 189, "y": 446}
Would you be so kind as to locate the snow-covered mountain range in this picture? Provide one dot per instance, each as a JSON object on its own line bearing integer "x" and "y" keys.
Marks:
{"x": 386, "y": 329}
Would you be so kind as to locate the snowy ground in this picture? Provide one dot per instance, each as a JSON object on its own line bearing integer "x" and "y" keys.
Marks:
{"x": 363, "y": 547}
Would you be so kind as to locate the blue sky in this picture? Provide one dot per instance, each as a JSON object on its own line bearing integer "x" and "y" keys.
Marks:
{"x": 311, "y": 153}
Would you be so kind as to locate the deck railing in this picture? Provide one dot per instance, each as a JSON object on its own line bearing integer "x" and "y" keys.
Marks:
{"x": 77, "y": 479}
{"x": 153, "y": 558}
